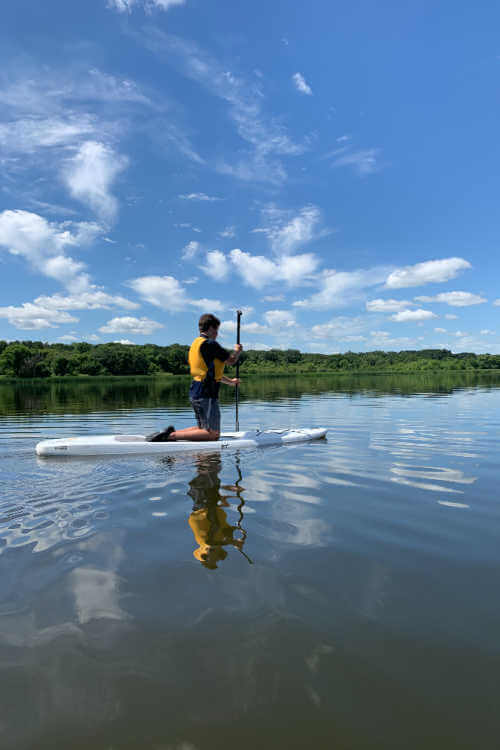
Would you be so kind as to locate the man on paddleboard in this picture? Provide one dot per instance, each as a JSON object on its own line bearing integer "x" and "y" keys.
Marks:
{"x": 206, "y": 359}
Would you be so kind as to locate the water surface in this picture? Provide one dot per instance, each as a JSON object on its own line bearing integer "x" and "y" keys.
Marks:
{"x": 342, "y": 593}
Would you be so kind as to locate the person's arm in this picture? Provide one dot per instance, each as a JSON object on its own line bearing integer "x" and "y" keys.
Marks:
{"x": 235, "y": 355}
{"x": 230, "y": 381}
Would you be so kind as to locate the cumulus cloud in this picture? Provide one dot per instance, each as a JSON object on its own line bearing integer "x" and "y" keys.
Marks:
{"x": 168, "y": 293}
{"x": 387, "y": 305}
{"x": 258, "y": 271}
{"x": 129, "y": 324}
{"x": 338, "y": 289}
{"x": 339, "y": 327}
{"x": 412, "y": 315}
{"x": 30, "y": 316}
{"x": 286, "y": 232}
{"x": 455, "y": 299}
{"x": 68, "y": 338}
{"x": 228, "y": 233}
{"x": 190, "y": 250}
{"x": 43, "y": 244}
{"x": 216, "y": 265}
{"x": 251, "y": 329}
{"x": 384, "y": 339}
{"x": 88, "y": 300}
{"x": 301, "y": 84}
{"x": 428, "y": 272}
{"x": 90, "y": 175}
{"x": 279, "y": 318}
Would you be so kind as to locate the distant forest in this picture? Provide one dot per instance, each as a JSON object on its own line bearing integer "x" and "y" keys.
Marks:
{"x": 35, "y": 359}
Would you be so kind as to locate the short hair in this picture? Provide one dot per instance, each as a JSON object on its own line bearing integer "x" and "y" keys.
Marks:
{"x": 208, "y": 321}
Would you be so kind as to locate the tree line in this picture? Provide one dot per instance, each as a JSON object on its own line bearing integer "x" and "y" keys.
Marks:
{"x": 36, "y": 359}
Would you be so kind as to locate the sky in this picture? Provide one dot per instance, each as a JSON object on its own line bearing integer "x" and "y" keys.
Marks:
{"x": 332, "y": 169}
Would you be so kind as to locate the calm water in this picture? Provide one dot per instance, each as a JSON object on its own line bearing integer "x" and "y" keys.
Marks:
{"x": 339, "y": 594}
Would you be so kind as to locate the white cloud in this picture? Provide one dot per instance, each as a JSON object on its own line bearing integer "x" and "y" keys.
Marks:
{"x": 200, "y": 197}
{"x": 279, "y": 319}
{"x": 385, "y": 340}
{"x": 497, "y": 303}
{"x": 128, "y": 324}
{"x": 287, "y": 233}
{"x": 413, "y": 315}
{"x": 90, "y": 175}
{"x": 167, "y": 292}
{"x": 363, "y": 161}
{"x": 258, "y": 271}
{"x": 216, "y": 265}
{"x": 186, "y": 225}
{"x": 27, "y": 135}
{"x": 125, "y": 342}
{"x": 43, "y": 243}
{"x": 387, "y": 305}
{"x": 455, "y": 299}
{"x": 255, "y": 270}
{"x": 253, "y": 328}
{"x": 343, "y": 138}
{"x": 126, "y": 6}
{"x": 92, "y": 300}
{"x": 428, "y": 272}
{"x": 450, "y": 316}
{"x": 29, "y": 316}
{"x": 267, "y": 138}
{"x": 338, "y": 289}
{"x": 228, "y": 232}
{"x": 440, "y": 330}
{"x": 190, "y": 250}
{"x": 273, "y": 298}
{"x": 68, "y": 338}
{"x": 339, "y": 328}
{"x": 487, "y": 332}
{"x": 301, "y": 85}
{"x": 68, "y": 271}
{"x": 161, "y": 291}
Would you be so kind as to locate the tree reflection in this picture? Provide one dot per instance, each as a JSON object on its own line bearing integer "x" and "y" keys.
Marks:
{"x": 208, "y": 520}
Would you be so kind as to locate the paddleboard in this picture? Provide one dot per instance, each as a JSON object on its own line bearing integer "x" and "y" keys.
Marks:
{"x": 110, "y": 445}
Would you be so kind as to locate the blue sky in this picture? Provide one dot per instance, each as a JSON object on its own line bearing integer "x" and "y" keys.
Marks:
{"x": 332, "y": 169}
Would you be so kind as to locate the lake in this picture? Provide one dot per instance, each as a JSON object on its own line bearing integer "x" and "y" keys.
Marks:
{"x": 338, "y": 594}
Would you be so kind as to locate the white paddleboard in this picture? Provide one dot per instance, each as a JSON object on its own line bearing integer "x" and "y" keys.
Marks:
{"x": 109, "y": 445}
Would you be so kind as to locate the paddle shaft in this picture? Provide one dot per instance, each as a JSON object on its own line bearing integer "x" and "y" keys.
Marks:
{"x": 238, "y": 329}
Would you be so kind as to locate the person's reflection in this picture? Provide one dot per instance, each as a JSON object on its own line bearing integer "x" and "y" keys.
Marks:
{"x": 208, "y": 519}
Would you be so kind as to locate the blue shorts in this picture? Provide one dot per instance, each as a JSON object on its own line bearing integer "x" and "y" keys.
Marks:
{"x": 207, "y": 413}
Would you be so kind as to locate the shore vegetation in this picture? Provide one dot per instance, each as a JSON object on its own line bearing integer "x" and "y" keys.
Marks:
{"x": 36, "y": 359}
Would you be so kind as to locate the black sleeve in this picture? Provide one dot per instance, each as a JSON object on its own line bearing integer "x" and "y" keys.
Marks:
{"x": 211, "y": 350}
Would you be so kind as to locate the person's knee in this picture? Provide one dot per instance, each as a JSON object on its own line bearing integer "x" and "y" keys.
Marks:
{"x": 213, "y": 434}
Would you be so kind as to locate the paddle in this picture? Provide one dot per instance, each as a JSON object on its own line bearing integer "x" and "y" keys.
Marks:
{"x": 238, "y": 327}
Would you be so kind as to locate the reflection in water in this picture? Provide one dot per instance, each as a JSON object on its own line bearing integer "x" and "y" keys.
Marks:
{"x": 208, "y": 520}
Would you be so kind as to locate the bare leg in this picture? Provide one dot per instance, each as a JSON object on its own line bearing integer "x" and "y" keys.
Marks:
{"x": 195, "y": 434}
